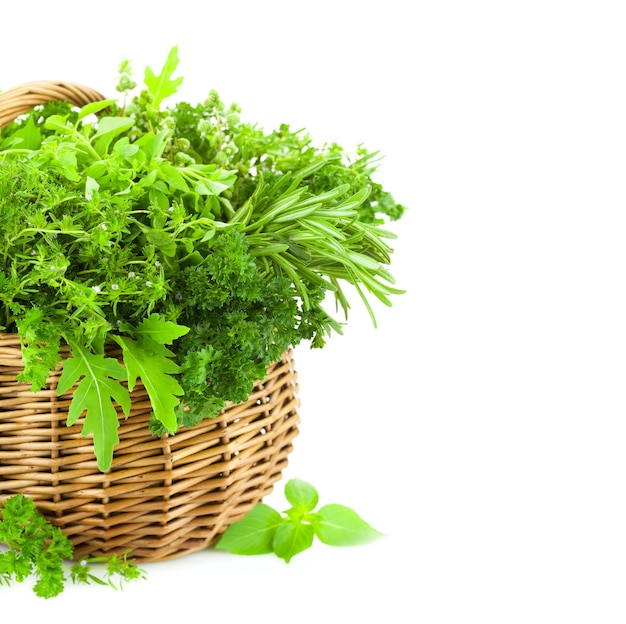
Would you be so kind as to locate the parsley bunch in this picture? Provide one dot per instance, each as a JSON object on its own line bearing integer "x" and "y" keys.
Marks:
{"x": 37, "y": 548}
{"x": 201, "y": 245}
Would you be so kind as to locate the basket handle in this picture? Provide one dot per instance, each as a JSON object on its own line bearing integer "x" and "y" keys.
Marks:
{"x": 22, "y": 98}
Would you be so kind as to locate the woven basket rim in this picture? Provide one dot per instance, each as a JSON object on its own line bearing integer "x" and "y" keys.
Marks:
{"x": 21, "y": 98}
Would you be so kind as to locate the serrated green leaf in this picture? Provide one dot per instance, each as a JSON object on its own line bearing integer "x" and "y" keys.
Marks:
{"x": 254, "y": 534}
{"x": 292, "y": 538}
{"x": 158, "y": 329}
{"x": 155, "y": 370}
{"x": 162, "y": 86}
{"x": 337, "y": 525}
{"x": 95, "y": 393}
{"x": 302, "y": 495}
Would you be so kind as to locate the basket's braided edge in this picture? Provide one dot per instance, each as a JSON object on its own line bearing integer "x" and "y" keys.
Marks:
{"x": 22, "y": 98}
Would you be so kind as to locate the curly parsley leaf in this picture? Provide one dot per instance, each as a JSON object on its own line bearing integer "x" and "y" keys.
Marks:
{"x": 40, "y": 342}
{"x": 37, "y": 547}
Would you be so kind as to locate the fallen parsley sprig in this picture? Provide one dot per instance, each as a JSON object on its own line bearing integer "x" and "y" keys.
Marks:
{"x": 37, "y": 547}
{"x": 264, "y": 530}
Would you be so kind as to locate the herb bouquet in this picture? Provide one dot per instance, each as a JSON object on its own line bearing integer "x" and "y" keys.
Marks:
{"x": 157, "y": 266}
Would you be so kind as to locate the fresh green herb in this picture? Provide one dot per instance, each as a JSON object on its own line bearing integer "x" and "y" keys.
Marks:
{"x": 264, "y": 530}
{"x": 38, "y": 548}
{"x": 199, "y": 244}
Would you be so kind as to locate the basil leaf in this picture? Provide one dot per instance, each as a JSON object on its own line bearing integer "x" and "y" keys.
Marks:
{"x": 302, "y": 495}
{"x": 95, "y": 107}
{"x": 337, "y": 525}
{"x": 254, "y": 534}
{"x": 292, "y": 538}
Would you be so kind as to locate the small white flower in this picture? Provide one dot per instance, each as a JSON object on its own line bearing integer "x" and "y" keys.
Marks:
{"x": 157, "y": 263}
{"x": 148, "y": 283}
{"x": 114, "y": 286}
{"x": 103, "y": 226}
{"x": 96, "y": 289}
{"x": 131, "y": 274}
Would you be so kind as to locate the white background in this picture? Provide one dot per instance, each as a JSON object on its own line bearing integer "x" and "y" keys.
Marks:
{"x": 481, "y": 426}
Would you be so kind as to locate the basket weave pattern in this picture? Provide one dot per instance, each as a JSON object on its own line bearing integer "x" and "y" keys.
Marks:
{"x": 21, "y": 98}
{"x": 163, "y": 497}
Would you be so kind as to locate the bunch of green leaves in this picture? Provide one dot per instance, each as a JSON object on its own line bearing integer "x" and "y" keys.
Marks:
{"x": 264, "y": 530}
{"x": 37, "y": 548}
{"x": 201, "y": 245}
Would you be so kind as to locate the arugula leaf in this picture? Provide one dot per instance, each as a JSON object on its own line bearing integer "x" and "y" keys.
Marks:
{"x": 97, "y": 389}
{"x": 162, "y": 86}
{"x": 151, "y": 364}
{"x": 159, "y": 330}
{"x": 148, "y": 359}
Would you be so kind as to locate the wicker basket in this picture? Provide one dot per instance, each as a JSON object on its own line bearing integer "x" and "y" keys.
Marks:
{"x": 163, "y": 497}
